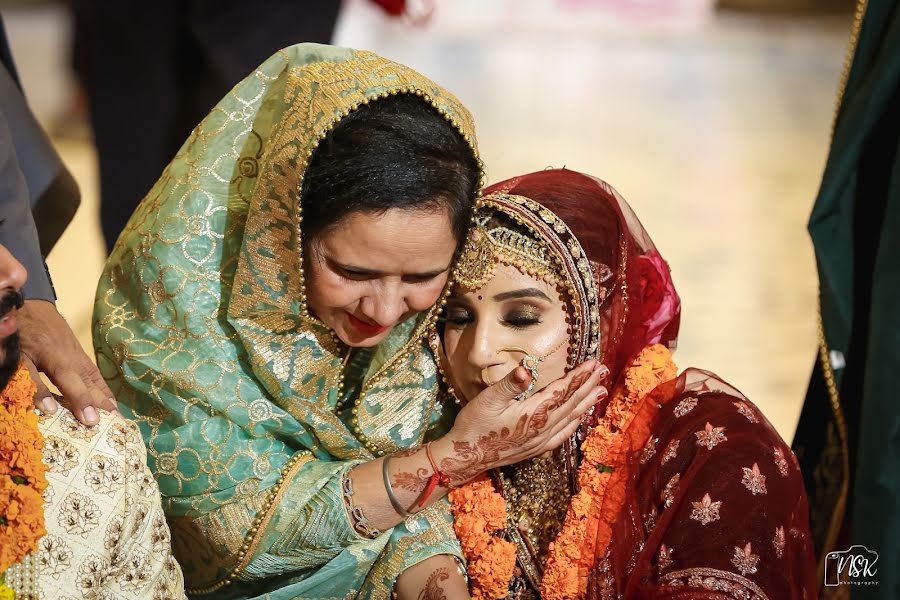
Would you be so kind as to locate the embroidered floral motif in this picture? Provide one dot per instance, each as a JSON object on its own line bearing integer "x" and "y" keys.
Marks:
{"x": 137, "y": 572}
{"x": 159, "y": 537}
{"x": 134, "y": 465}
{"x": 778, "y": 542}
{"x": 91, "y": 575}
{"x": 706, "y": 511}
{"x": 754, "y": 480}
{"x": 78, "y": 514}
{"x": 649, "y": 450}
{"x": 685, "y": 406}
{"x": 48, "y": 496}
{"x": 161, "y": 591}
{"x": 650, "y": 520}
{"x": 744, "y": 409}
{"x": 120, "y": 435}
{"x": 114, "y": 532}
{"x": 54, "y": 555}
{"x": 671, "y": 451}
{"x": 780, "y": 461}
{"x": 665, "y": 558}
{"x": 710, "y": 436}
{"x": 72, "y": 427}
{"x": 148, "y": 485}
{"x": 730, "y": 584}
{"x": 744, "y": 559}
{"x": 604, "y": 579}
{"x": 141, "y": 511}
{"x": 104, "y": 474}
{"x": 59, "y": 455}
{"x": 668, "y": 494}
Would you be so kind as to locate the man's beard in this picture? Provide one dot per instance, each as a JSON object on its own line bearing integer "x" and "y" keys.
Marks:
{"x": 10, "y": 350}
{"x": 11, "y": 354}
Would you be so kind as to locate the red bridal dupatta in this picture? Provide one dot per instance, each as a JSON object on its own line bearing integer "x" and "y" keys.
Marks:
{"x": 700, "y": 497}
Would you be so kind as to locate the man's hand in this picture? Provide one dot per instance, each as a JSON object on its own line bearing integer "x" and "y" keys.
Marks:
{"x": 49, "y": 346}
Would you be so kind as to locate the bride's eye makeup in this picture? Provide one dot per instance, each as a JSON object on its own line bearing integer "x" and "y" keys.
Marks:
{"x": 522, "y": 317}
{"x": 457, "y": 316}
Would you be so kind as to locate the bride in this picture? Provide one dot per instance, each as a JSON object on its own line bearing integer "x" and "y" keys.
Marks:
{"x": 675, "y": 486}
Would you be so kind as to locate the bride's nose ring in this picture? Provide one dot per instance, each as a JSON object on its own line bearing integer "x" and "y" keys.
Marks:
{"x": 530, "y": 362}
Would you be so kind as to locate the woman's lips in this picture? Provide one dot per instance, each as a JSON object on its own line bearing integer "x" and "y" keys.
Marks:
{"x": 365, "y": 327}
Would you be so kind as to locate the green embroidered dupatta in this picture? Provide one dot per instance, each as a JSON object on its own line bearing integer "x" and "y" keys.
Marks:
{"x": 202, "y": 331}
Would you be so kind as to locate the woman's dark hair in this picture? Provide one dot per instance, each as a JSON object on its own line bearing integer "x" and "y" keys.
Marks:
{"x": 395, "y": 152}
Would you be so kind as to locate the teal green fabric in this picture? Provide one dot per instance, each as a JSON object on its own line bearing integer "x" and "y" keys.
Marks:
{"x": 855, "y": 226}
{"x": 201, "y": 330}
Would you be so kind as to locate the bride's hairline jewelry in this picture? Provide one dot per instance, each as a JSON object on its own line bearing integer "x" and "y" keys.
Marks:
{"x": 486, "y": 261}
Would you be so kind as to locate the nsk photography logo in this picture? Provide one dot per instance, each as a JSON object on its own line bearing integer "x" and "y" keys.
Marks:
{"x": 853, "y": 566}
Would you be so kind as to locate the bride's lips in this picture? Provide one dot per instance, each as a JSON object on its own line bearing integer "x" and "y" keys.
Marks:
{"x": 8, "y": 324}
{"x": 364, "y": 326}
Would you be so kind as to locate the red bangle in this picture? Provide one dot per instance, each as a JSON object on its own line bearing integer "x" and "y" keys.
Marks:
{"x": 436, "y": 478}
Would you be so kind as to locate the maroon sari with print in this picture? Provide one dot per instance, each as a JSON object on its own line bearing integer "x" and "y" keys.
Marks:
{"x": 715, "y": 506}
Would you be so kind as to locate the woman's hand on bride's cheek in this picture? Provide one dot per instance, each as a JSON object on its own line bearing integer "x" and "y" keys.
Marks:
{"x": 495, "y": 429}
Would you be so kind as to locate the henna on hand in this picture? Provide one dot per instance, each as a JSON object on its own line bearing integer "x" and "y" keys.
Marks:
{"x": 433, "y": 589}
{"x": 412, "y": 482}
{"x": 472, "y": 459}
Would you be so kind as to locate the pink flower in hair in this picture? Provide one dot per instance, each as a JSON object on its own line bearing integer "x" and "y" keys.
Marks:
{"x": 659, "y": 301}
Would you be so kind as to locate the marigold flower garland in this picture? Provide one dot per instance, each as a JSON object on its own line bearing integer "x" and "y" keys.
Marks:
{"x": 479, "y": 510}
{"x": 22, "y": 474}
{"x": 479, "y": 518}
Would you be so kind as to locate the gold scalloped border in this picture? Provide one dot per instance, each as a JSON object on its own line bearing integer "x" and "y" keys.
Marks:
{"x": 254, "y": 534}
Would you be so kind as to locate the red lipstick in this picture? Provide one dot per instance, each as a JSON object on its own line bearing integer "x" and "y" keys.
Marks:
{"x": 365, "y": 327}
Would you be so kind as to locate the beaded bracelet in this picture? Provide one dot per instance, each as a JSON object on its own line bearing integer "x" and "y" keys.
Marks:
{"x": 360, "y": 523}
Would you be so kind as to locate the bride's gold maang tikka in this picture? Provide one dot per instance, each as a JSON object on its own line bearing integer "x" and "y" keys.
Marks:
{"x": 489, "y": 244}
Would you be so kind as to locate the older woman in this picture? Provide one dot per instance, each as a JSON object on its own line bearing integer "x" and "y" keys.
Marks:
{"x": 675, "y": 486}
{"x": 263, "y": 318}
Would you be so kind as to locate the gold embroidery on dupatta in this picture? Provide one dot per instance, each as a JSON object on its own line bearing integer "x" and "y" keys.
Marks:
{"x": 232, "y": 531}
{"x": 269, "y": 280}
{"x": 387, "y": 568}
{"x": 732, "y": 584}
{"x": 403, "y": 405}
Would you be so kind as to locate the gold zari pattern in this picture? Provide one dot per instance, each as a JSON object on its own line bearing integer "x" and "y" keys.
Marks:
{"x": 202, "y": 328}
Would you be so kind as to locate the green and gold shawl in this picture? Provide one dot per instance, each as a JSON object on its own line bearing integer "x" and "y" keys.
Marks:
{"x": 243, "y": 397}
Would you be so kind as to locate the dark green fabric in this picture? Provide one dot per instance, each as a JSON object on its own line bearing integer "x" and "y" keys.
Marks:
{"x": 855, "y": 227}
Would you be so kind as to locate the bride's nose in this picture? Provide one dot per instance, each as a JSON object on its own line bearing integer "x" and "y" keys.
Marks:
{"x": 483, "y": 351}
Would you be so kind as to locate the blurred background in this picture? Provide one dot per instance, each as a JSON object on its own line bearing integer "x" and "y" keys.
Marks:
{"x": 711, "y": 118}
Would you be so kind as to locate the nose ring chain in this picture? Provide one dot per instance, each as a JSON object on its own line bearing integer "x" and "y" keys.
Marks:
{"x": 531, "y": 362}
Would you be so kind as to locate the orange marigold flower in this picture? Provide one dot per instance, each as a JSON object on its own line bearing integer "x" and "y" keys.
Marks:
{"x": 479, "y": 510}
{"x": 21, "y": 521}
{"x": 20, "y": 389}
{"x": 22, "y": 471}
{"x": 587, "y": 528}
